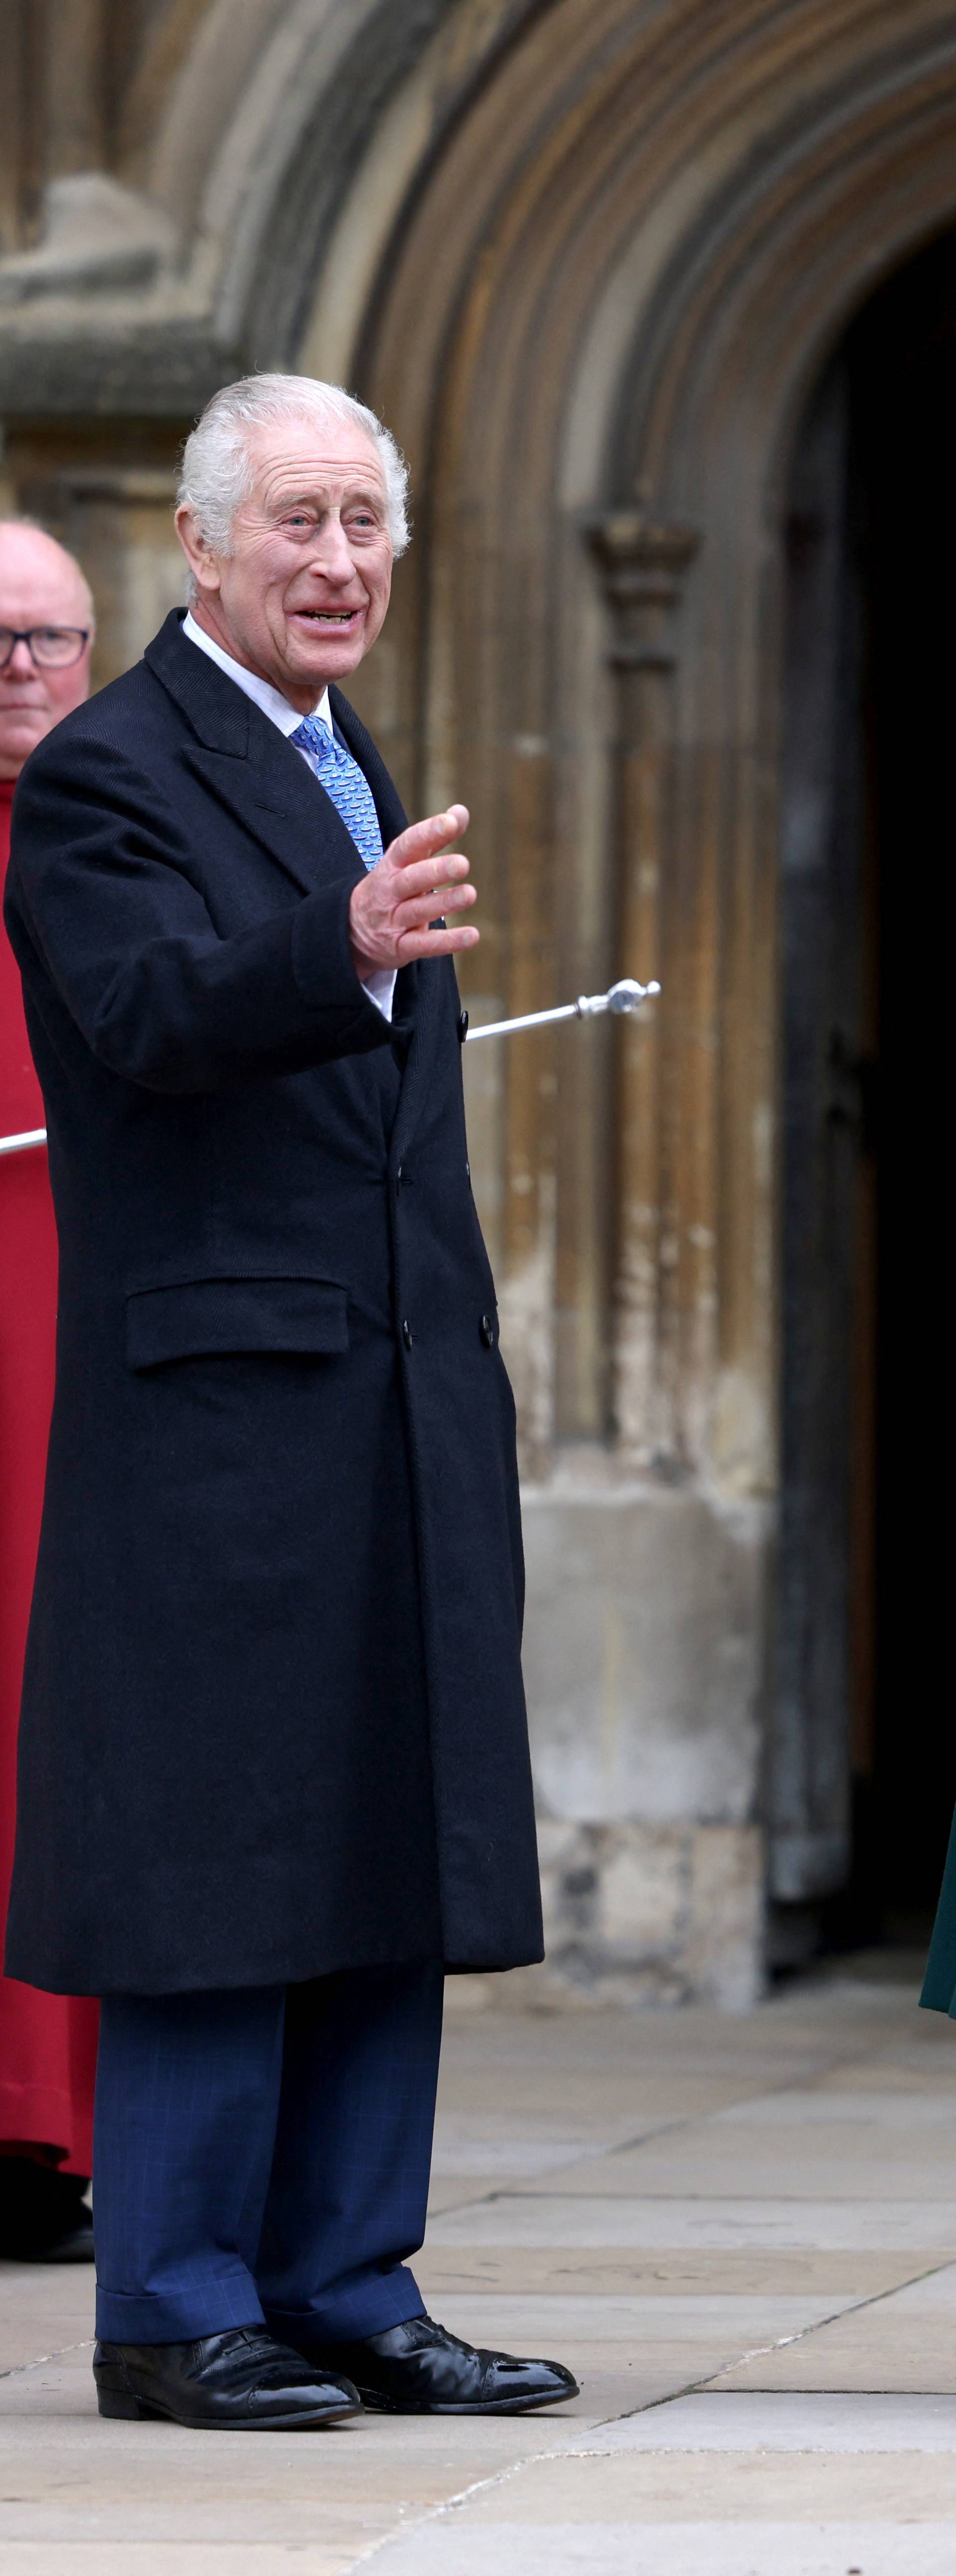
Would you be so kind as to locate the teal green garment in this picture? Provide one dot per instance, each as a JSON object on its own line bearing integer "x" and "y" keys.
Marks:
{"x": 939, "y": 1983}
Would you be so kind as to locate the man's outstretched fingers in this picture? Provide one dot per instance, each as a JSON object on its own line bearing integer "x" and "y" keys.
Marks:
{"x": 418, "y": 876}
{"x": 422, "y": 877}
{"x": 437, "y": 943}
{"x": 414, "y": 908}
{"x": 424, "y": 841}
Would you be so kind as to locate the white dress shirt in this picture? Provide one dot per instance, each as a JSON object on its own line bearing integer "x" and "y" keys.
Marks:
{"x": 380, "y": 984}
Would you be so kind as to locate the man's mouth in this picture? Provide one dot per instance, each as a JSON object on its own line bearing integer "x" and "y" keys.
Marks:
{"x": 328, "y": 616}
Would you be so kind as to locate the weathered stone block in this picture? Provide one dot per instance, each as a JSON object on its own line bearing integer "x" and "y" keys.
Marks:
{"x": 642, "y": 1669}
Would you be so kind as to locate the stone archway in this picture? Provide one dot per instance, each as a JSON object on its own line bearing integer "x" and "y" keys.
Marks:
{"x": 597, "y": 322}
{"x": 798, "y": 156}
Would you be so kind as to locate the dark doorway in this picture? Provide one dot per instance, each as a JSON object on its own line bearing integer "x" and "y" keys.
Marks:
{"x": 862, "y": 1764}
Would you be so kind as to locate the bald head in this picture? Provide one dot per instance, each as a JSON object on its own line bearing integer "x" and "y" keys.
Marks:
{"x": 40, "y": 586}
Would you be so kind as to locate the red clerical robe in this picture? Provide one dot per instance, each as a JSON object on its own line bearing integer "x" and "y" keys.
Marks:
{"x": 47, "y": 2042}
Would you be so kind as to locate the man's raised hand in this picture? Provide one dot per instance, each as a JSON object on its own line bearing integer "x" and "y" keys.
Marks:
{"x": 418, "y": 877}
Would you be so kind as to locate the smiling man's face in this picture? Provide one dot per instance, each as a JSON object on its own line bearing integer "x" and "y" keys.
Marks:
{"x": 304, "y": 591}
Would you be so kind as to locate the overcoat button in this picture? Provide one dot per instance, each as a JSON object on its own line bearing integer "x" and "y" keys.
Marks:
{"x": 398, "y": 1177}
{"x": 487, "y": 1330}
{"x": 462, "y": 1027}
{"x": 407, "y": 1334}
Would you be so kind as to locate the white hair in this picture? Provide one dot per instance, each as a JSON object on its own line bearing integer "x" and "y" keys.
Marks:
{"x": 217, "y": 469}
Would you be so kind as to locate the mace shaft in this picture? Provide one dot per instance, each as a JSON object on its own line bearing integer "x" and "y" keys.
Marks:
{"x": 625, "y": 996}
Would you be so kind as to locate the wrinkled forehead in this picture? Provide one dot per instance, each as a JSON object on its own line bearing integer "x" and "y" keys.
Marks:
{"x": 314, "y": 459}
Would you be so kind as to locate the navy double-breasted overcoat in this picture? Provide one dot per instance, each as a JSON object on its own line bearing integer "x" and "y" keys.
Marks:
{"x": 273, "y": 1721}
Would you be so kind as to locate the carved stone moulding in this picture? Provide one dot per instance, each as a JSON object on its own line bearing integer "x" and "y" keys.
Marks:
{"x": 643, "y": 562}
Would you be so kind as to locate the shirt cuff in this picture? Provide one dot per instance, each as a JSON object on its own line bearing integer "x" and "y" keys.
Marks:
{"x": 381, "y": 989}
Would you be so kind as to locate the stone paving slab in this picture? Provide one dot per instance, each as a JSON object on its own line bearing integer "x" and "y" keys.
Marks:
{"x": 545, "y": 2132}
{"x": 41, "y": 2309}
{"x": 605, "y": 2549}
{"x": 319, "y": 2541}
{"x": 904, "y": 2341}
{"x": 703, "y": 2421}
{"x": 692, "y": 2317}
{"x": 618, "y": 2271}
{"x": 603, "y": 2217}
{"x": 563, "y": 2097}
{"x": 877, "y": 2076}
{"x": 885, "y": 2110}
{"x": 808, "y": 2162}
{"x": 591, "y": 2484}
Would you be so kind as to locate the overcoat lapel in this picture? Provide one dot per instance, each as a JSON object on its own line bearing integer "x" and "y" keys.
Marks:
{"x": 277, "y": 798}
{"x": 253, "y": 770}
{"x": 392, "y": 820}
{"x": 388, "y": 805}
{"x": 250, "y": 767}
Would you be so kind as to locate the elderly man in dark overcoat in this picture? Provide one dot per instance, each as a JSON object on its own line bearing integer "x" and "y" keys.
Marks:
{"x": 274, "y": 1774}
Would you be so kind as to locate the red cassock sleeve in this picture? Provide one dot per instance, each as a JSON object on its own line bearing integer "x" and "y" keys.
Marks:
{"x": 47, "y": 2042}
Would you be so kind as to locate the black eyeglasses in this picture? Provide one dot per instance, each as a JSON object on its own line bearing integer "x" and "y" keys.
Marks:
{"x": 52, "y": 648}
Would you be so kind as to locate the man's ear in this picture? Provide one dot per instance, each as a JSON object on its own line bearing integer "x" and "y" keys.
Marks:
{"x": 203, "y": 564}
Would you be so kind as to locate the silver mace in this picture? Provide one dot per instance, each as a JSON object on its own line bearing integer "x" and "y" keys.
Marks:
{"x": 625, "y": 996}
{"x": 19, "y": 1144}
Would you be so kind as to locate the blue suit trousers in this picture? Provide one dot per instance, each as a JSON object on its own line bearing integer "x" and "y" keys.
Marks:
{"x": 263, "y": 2154}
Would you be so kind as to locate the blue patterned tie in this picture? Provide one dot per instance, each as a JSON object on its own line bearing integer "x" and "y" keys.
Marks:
{"x": 345, "y": 782}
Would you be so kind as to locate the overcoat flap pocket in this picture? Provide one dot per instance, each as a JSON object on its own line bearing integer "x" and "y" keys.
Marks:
{"x": 199, "y": 1316}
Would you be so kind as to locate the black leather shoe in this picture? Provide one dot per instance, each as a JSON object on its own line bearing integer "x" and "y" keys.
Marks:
{"x": 421, "y": 2369}
{"x": 43, "y": 2214}
{"x": 241, "y": 2382}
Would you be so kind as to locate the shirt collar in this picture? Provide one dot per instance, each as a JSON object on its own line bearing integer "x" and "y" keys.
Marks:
{"x": 262, "y": 693}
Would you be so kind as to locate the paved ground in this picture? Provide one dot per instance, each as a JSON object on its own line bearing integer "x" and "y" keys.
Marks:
{"x": 740, "y": 2233}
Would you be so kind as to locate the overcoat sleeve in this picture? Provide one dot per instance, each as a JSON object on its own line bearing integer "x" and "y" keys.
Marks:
{"x": 100, "y": 889}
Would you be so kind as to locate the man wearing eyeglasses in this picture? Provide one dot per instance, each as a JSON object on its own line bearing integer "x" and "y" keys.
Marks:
{"x": 47, "y": 2042}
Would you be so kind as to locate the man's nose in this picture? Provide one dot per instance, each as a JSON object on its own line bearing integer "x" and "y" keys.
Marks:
{"x": 20, "y": 665}
{"x": 333, "y": 555}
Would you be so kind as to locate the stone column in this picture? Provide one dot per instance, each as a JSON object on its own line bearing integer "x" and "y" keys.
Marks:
{"x": 642, "y": 564}
{"x": 75, "y": 81}
{"x": 22, "y": 111}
